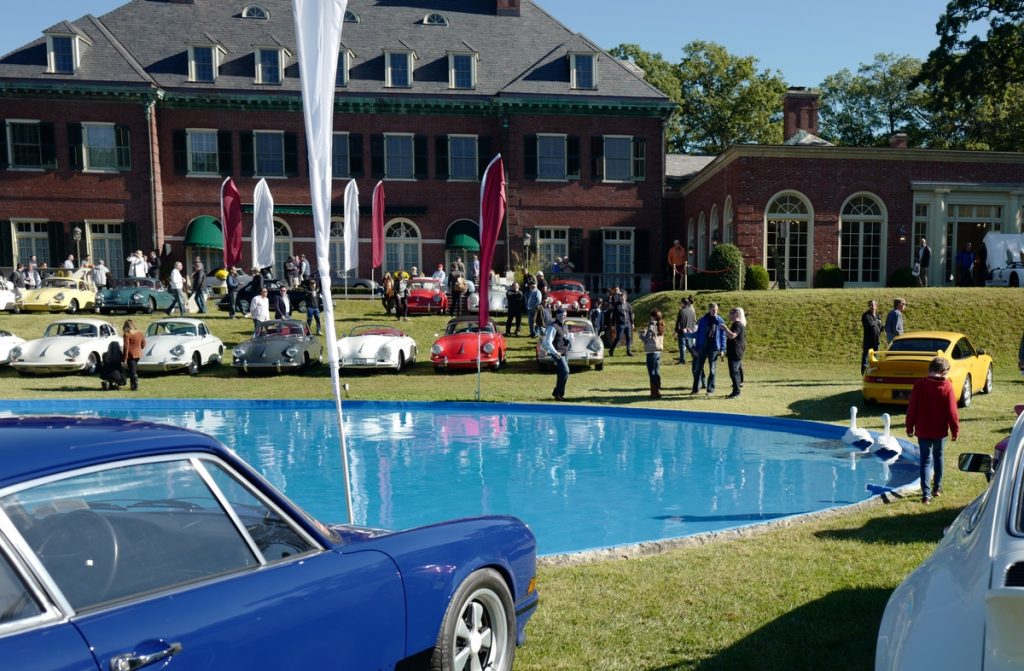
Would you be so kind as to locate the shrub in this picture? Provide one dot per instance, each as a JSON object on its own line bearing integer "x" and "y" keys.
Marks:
{"x": 726, "y": 264}
{"x": 903, "y": 277}
{"x": 756, "y": 278}
{"x": 829, "y": 276}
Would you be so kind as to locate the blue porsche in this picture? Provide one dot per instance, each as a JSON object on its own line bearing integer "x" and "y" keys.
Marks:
{"x": 129, "y": 545}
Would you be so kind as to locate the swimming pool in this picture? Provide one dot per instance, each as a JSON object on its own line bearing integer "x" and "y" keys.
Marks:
{"x": 582, "y": 477}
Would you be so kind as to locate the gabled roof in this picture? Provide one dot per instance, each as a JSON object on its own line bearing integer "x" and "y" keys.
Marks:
{"x": 803, "y": 138}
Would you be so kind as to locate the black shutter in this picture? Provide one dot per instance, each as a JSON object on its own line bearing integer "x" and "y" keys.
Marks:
{"x": 642, "y": 262}
{"x": 572, "y": 157}
{"x": 639, "y": 159}
{"x": 377, "y": 156}
{"x": 6, "y": 242}
{"x": 576, "y": 247}
{"x": 530, "y": 157}
{"x": 124, "y": 150}
{"x": 484, "y": 154}
{"x": 47, "y": 146}
{"x": 420, "y": 157}
{"x": 441, "y": 157}
{"x": 355, "y": 155}
{"x": 596, "y": 252}
{"x": 129, "y": 238}
{"x": 291, "y": 155}
{"x": 225, "y": 154}
{"x": 56, "y": 243}
{"x": 247, "y": 154}
{"x": 179, "y": 144}
{"x": 75, "y": 148}
{"x": 597, "y": 157}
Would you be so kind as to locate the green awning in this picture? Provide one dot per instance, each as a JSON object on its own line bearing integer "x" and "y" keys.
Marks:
{"x": 204, "y": 231}
{"x": 463, "y": 235}
{"x": 462, "y": 241}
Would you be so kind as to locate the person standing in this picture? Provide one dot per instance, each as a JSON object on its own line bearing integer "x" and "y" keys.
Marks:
{"x": 198, "y": 282}
{"x": 314, "y": 303}
{"x": 232, "y": 285}
{"x": 387, "y": 286}
{"x": 282, "y": 304}
{"x": 99, "y": 275}
{"x": 32, "y": 277}
{"x": 516, "y": 305}
{"x": 402, "y": 293}
{"x": 710, "y": 345}
{"x": 154, "y": 265}
{"x": 305, "y": 270}
{"x": 872, "y": 325}
{"x": 259, "y": 308}
{"x": 924, "y": 257}
{"x": 677, "y": 264}
{"x": 965, "y": 266}
{"x": 894, "y": 320}
{"x": 291, "y": 272}
{"x": 177, "y": 287}
{"x": 542, "y": 283}
{"x": 69, "y": 263}
{"x": 653, "y": 338}
{"x": 459, "y": 287}
{"x": 534, "y": 302}
{"x": 596, "y": 316}
{"x": 476, "y": 270}
{"x": 735, "y": 347}
{"x": 17, "y": 279}
{"x": 932, "y": 415}
{"x": 686, "y": 321}
{"x": 440, "y": 275}
{"x": 557, "y": 342}
{"x": 136, "y": 264}
{"x": 134, "y": 342}
{"x": 623, "y": 320}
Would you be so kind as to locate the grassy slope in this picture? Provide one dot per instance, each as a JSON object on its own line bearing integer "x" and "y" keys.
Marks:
{"x": 805, "y": 596}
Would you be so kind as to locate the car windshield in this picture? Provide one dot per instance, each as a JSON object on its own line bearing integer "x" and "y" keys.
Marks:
{"x": 374, "y": 330}
{"x": 171, "y": 329}
{"x": 566, "y": 286}
{"x": 919, "y": 345}
{"x": 423, "y": 284}
{"x": 469, "y": 327}
{"x": 581, "y": 327}
{"x": 279, "y": 329}
{"x": 59, "y": 283}
{"x": 72, "y": 329}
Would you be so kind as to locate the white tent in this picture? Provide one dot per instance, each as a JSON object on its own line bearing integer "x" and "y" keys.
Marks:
{"x": 1003, "y": 249}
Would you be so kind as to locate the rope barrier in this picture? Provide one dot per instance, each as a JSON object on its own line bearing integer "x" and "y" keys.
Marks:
{"x": 712, "y": 272}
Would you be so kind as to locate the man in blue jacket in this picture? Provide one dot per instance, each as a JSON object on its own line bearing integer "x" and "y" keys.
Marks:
{"x": 710, "y": 345}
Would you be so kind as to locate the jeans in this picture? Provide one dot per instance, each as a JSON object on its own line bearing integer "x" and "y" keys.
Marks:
{"x": 311, "y": 314}
{"x": 711, "y": 357}
{"x": 133, "y": 372}
{"x": 654, "y": 367}
{"x": 562, "y": 375}
{"x": 179, "y": 300}
{"x": 736, "y": 375}
{"x": 517, "y": 318}
{"x": 681, "y": 339}
{"x": 232, "y": 303}
{"x": 201, "y": 300}
{"x": 620, "y": 331}
{"x": 931, "y": 465}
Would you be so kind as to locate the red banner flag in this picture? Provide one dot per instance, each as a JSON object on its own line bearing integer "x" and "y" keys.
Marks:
{"x": 377, "y": 225}
{"x": 492, "y": 214}
{"x": 231, "y": 223}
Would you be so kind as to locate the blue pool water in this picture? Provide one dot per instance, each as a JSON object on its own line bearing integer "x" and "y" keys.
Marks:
{"x": 581, "y": 477}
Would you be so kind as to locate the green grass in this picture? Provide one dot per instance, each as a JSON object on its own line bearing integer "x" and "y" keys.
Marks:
{"x": 806, "y": 595}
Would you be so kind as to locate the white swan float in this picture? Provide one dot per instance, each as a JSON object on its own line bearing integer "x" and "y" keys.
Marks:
{"x": 857, "y": 436}
{"x": 889, "y": 449}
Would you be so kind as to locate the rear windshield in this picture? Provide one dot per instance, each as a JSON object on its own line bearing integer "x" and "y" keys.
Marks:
{"x": 919, "y": 345}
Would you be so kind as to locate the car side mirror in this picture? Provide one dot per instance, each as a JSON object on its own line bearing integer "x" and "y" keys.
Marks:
{"x": 981, "y": 351}
{"x": 972, "y": 462}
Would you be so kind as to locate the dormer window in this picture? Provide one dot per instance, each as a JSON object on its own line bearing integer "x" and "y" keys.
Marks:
{"x": 255, "y": 12}
{"x": 584, "y": 70}
{"x": 435, "y": 19}
{"x": 344, "y": 65}
{"x": 63, "y": 54}
{"x": 462, "y": 70}
{"x": 351, "y": 17}
{"x": 204, "y": 63}
{"x": 399, "y": 68}
{"x": 270, "y": 65}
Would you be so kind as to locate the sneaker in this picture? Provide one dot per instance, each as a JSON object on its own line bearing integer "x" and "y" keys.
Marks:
{"x": 937, "y": 492}
{"x": 733, "y": 395}
{"x": 926, "y": 500}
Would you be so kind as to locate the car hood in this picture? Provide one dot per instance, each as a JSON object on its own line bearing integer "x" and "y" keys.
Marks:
{"x": 54, "y": 347}
{"x": 365, "y": 345}
{"x": 465, "y": 341}
{"x": 271, "y": 347}
{"x": 124, "y": 293}
{"x": 166, "y": 343}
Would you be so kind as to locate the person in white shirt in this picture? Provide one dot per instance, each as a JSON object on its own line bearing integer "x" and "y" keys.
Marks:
{"x": 177, "y": 288}
{"x": 259, "y": 309}
{"x": 439, "y": 274}
{"x": 137, "y": 266}
{"x": 69, "y": 263}
{"x": 99, "y": 275}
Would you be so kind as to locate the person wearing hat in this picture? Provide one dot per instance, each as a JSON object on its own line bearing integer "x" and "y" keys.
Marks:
{"x": 557, "y": 342}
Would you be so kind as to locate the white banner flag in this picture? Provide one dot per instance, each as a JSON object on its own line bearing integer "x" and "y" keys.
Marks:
{"x": 262, "y": 227}
{"x": 351, "y": 237}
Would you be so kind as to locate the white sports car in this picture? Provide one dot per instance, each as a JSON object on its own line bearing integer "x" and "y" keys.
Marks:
{"x": 8, "y": 341}
{"x": 587, "y": 349}
{"x": 497, "y": 300}
{"x": 67, "y": 346}
{"x": 180, "y": 344}
{"x": 372, "y": 347}
{"x": 8, "y": 299}
{"x": 1010, "y": 276}
{"x": 961, "y": 608}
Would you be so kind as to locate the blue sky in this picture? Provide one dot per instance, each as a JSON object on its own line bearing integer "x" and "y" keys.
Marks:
{"x": 806, "y": 41}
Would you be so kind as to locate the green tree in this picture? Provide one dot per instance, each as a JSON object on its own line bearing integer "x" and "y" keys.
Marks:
{"x": 660, "y": 74}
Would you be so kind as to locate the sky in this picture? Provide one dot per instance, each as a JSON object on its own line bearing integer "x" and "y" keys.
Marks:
{"x": 805, "y": 41}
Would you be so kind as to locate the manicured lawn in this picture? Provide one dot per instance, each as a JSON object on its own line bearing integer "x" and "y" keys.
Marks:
{"x": 804, "y": 596}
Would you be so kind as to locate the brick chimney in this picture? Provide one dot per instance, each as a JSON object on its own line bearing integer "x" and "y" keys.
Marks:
{"x": 800, "y": 111}
{"x": 899, "y": 141}
{"x": 508, "y": 7}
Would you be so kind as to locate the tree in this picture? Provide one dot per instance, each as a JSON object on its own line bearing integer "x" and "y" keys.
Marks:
{"x": 660, "y": 74}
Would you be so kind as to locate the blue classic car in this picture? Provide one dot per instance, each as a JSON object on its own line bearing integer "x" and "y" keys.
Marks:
{"x": 128, "y": 545}
{"x": 133, "y": 294}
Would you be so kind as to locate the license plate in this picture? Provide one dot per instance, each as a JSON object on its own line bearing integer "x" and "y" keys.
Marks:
{"x": 901, "y": 394}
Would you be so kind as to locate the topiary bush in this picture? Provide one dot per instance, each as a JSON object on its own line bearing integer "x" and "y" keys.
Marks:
{"x": 756, "y": 278}
{"x": 903, "y": 277}
{"x": 728, "y": 259}
{"x": 829, "y": 276}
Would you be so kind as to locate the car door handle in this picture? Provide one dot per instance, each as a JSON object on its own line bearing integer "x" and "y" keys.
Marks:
{"x": 129, "y": 662}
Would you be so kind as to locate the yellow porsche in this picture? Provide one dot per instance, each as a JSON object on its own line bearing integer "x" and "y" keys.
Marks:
{"x": 63, "y": 292}
{"x": 891, "y": 374}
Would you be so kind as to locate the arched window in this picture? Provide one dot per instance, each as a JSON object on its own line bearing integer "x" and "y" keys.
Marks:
{"x": 714, "y": 236}
{"x": 702, "y": 241}
{"x": 862, "y": 228}
{"x": 337, "y": 253}
{"x": 255, "y": 12}
{"x": 401, "y": 246}
{"x": 282, "y": 246}
{"x": 728, "y": 234}
{"x": 788, "y": 238}
{"x": 351, "y": 17}
{"x": 435, "y": 19}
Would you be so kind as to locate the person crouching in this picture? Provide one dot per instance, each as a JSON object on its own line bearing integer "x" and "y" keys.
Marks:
{"x": 111, "y": 374}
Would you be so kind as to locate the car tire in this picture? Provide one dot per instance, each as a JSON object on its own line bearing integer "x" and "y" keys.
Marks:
{"x": 151, "y": 306}
{"x": 481, "y": 605}
{"x": 92, "y": 364}
{"x": 1014, "y": 280}
{"x": 195, "y": 364}
{"x": 73, "y": 307}
{"x": 966, "y": 393}
{"x": 599, "y": 366}
{"x": 987, "y": 389}
{"x": 401, "y": 362}
{"x": 219, "y": 358}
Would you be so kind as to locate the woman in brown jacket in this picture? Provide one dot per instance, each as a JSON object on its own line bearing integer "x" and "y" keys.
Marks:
{"x": 134, "y": 341}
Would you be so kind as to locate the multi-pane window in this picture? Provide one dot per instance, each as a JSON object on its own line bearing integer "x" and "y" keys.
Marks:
{"x": 860, "y": 243}
{"x": 787, "y": 238}
{"x": 268, "y": 70}
{"x": 584, "y": 71}
{"x": 282, "y": 246}
{"x": 401, "y": 247}
{"x": 462, "y": 71}
{"x": 462, "y": 157}
{"x": 203, "y": 64}
{"x": 62, "y": 54}
{"x": 340, "y": 156}
{"x": 341, "y": 74}
{"x": 337, "y": 243}
{"x": 33, "y": 240}
{"x": 551, "y": 157}
{"x": 618, "y": 251}
{"x": 255, "y": 12}
{"x": 269, "y": 153}
{"x": 101, "y": 146}
{"x": 969, "y": 221}
{"x": 552, "y": 242}
{"x": 399, "y": 68}
{"x": 618, "y": 158}
{"x": 920, "y": 229}
{"x": 25, "y": 146}
{"x": 398, "y": 156}
{"x": 202, "y": 152}
{"x": 105, "y": 244}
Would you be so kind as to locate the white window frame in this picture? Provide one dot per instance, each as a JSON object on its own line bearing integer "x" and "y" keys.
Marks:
{"x": 431, "y": 19}
{"x": 51, "y": 54}
{"x": 344, "y": 66}
{"x": 782, "y": 218}
{"x": 551, "y": 242}
{"x": 216, "y": 151}
{"x": 337, "y": 242}
{"x": 476, "y": 159}
{"x": 410, "y": 57}
{"x": 107, "y": 231}
{"x": 412, "y": 157}
{"x": 574, "y": 59}
{"x": 351, "y": 17}
{"x": 36, "y": 229}
{"x": 86, "y": 163}
{"x": 215, "y": 53}
{"x": 881, "y": 218}
{"x": 247, "y": 13}
{"x": 473, "y": 59}
{"x": 284, "y": 245}
{"x": 403, "y": 242}
{"x": 282, "y": 60}
{"x": 345, "y": 174}
{"x": 629, "y": 159}
{"x": 564, "y": 177}
{"x": 11, "y": 165}
{"x": 614, "y": 237}
{"x": 256, "y": 153}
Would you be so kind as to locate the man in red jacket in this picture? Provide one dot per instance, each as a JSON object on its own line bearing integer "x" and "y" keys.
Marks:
{"x": 931, "y": 415}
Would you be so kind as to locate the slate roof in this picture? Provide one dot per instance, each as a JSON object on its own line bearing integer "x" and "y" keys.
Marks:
{"x": 685, "y": 166}
{"x": 145, "y": 42}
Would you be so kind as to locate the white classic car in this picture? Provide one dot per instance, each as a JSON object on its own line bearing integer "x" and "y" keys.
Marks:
{"x": 1004, "y": 259}
{"x": 67, "y": 346}
{"x": 373, "y": 347}
{"x": 8, "y": 341}
{"x": 8, "y": 298}
{"x": 180, "y": 344}
{"x": 587, "y": 349}
{"x": 497, "y": 300}
{"x": 960, "y": 609}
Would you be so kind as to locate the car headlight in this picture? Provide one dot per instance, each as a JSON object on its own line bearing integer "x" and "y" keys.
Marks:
{"x": 59, "y": 297}
{"x": 177, "y": 351}
{"x": 15, "y": 353}
{"x": 594, "y": 346}
{"x": 584, "y": 302}
{"x": 488, "y": 348}
{"x": 384, "y": 353}
{"x": 99, "y": 299}
{"x": 72, "y": 352}
{"x": 239, "y": 352}
{"x": 136, "y": 297}
{"x": 436, "y": 298}
{"x": 436, "y": 349}
{"x": 291, "y": 352}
